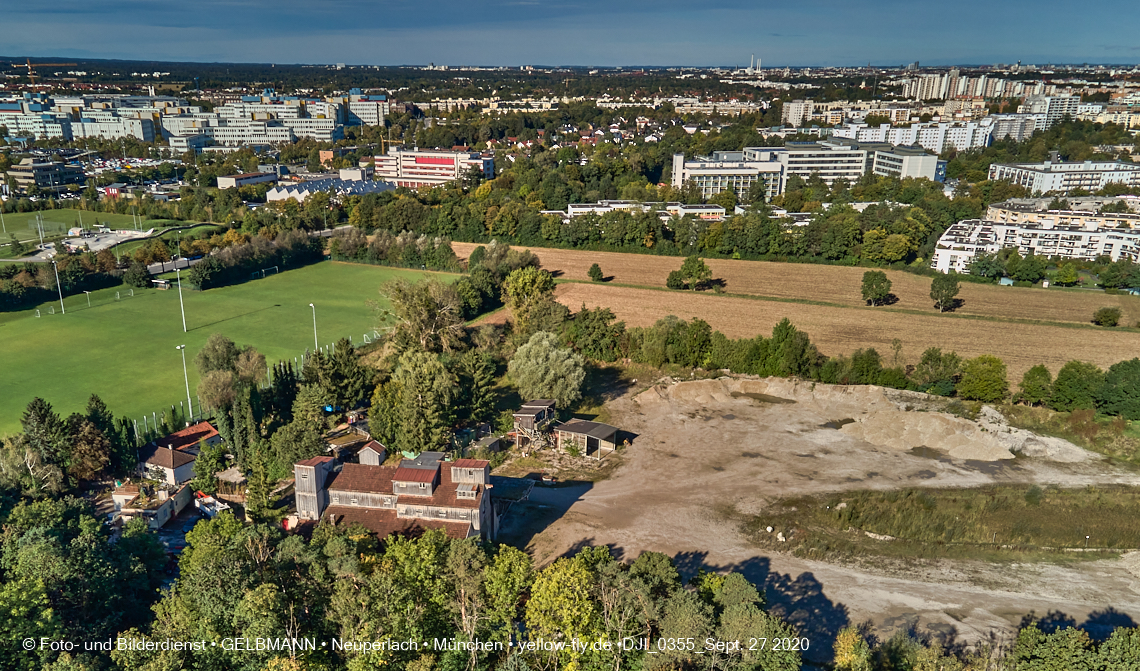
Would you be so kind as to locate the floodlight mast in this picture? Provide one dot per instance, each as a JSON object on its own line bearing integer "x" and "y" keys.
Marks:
{"x": 316, "y": 346}
{"x": 186, "y": 377}
{"x": 181, "y": 305}
{"x": 55, "y": 267}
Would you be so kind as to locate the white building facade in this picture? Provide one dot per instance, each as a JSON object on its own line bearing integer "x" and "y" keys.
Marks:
{"x": 1063, "y": 177}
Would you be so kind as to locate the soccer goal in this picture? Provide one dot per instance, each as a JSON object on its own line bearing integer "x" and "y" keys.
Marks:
{"x": 272, "y": 270}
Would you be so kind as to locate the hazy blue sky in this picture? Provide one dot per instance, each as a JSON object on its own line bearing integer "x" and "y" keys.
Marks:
{"x": 575, "y": 32}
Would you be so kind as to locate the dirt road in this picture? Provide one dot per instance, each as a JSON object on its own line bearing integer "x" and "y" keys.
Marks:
{"x": 703, "y": 459}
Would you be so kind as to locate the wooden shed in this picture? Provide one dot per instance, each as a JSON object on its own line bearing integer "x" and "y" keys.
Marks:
{"x": 593, "y": 439}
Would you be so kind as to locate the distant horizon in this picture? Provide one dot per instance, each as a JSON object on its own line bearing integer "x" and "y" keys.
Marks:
{"x": 609, "y": 33}
{"x": 13, "y": 62}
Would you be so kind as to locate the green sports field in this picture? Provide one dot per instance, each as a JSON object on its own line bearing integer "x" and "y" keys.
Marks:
{"x": 57, "y": 222}
{"x": 124, "y": 350}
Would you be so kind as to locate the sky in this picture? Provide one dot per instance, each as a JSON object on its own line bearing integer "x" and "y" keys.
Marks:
{"x": 576, "y": 32}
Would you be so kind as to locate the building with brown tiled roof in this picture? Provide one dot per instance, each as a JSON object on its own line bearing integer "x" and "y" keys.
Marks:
{"x": 190, "y": 437}
{"x": 173, "y": 467}
{"x": 421, "y": 493}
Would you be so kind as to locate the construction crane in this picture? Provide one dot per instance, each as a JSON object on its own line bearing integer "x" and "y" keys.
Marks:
{"x": 32, "y": 70}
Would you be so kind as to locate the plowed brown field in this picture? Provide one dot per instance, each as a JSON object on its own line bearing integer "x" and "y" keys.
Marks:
{"x": 839, "y": 330}
{"x": 839, "y": 285}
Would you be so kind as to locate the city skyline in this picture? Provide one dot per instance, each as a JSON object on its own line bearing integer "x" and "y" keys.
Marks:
{"x": 587, "y": 33}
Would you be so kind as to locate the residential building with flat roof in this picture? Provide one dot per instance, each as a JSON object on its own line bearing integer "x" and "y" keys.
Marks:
{"x": 1065, "y": 176}
{"x": 1064, "y": 234}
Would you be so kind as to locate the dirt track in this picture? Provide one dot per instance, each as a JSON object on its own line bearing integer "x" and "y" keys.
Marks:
{"x": 703, "y": 460}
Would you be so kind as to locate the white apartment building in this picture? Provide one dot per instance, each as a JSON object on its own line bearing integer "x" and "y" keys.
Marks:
{"x": 935, "y": 137}
{"x": 1016, "y": 126}
{"x": 795, "y": 112}
{"x": 414, "y": 168}
{"x": 1054, "y": 234}
{"x": 1063, "y": 177}
{"x": 728, "y": 169}
{"x": 905, "y": 162}
{"x": 1053, "y": 107}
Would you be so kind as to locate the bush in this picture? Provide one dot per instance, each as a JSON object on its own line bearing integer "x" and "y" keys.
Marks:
{"x": 1107, "y": 316}
{"x": 675, "y": 280}
{"x": 983, "y": 379}
{"x": 595, "y": 273}
{"x": 136, "y": 276}
{"x": 1076, "y": 386}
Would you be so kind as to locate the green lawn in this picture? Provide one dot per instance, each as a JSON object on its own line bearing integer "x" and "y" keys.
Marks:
{"x": 125, "y": 350}
{"x": 56, "y": 222}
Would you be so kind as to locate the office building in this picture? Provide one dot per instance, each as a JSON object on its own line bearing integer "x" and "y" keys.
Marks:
{"x": 245, "y": 179}
{"x": 45, "y": 175}
{"x": 1062, "y": 177}
{"x": 414, "y": 168}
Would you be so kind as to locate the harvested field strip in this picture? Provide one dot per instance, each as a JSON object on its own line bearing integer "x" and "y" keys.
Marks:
{"x": 955, "y": 521}
{"x": 838, "y": 330}
{"x": 837, "y": 285}
{"x": 946, "y": 315}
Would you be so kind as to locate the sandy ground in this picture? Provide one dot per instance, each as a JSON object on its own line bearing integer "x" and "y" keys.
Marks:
{"x": 707, "y": 452}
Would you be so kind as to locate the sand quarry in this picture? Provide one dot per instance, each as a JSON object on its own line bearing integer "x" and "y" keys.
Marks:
{"x": 707, "y": 452}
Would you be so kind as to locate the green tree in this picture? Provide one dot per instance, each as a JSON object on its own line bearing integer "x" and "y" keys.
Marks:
{"x": 210, "y": 461}
{"x": 25, "y": 612}
{"x": 1120, "y": 392}
{"x": 477, "y": 382}
{"x": 943, "y": 290}
{"x": 1036, "y": 386}
{"x": 695, "y": 272}
{"x": 525, "y": 289}
{"x": 1107, "y": 316}
{"x": 136, "y": 276}
{"x": 90, "y": 452}
{"x": 675, "y": 280}
{"x": 46, "y": 434}
{"x": 1067, "y": 275}
{"x": 427, "y": 315}
{"x": 595, "y": 273}
{"x": 384, "y": 412}
{"x": 876, "y": 286}
{"x": 983, "y": 379}
{"x": 296, "y": 441}
{"x": 219, "y": 353}
{"x": 1076, "y": 386}
{"x": 851, "y": 651}
{"x": 427, "y": 391}
{"x": 561, "y": 608}
{"x": 543, "y": 369}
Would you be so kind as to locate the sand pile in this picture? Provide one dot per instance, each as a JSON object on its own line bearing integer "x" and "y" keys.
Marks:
{"x": 903, "y": 431}
{"x": 876, "y": 415}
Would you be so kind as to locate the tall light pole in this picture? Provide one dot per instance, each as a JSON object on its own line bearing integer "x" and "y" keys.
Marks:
{"x": 181, "y": 305}
{"x": 58, "y": 286}
{"x": 186, "y": 376}
{"x": 316, "y": 346}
